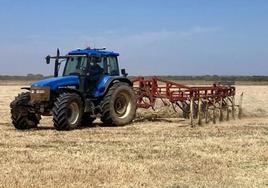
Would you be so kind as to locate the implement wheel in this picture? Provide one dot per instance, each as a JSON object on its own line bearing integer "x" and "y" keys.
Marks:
{"x": 67, "y": 111}
{"x": 22, "y": 114}
{"x": 119, "y": 105}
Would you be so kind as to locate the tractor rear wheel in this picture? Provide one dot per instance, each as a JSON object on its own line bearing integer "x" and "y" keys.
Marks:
{"x": 119, "y": 105}
{"x": 67, "y": 111}
{"x": 22, "y": 114}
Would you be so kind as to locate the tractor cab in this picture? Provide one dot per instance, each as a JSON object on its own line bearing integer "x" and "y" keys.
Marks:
{"x": 91, "y": 67}
{"x": 91, "y": 62}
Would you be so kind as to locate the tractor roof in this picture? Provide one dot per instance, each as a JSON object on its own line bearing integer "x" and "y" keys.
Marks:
{"x": 97, "y": 52}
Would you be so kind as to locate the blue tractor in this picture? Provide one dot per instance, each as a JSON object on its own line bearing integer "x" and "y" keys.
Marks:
{"x": 90, "y": 87}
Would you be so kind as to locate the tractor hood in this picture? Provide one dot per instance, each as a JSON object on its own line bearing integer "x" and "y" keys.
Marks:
{"x": 54, "y": 83}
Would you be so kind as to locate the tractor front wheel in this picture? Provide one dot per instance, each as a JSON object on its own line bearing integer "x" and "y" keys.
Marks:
{"x": 119, "y": 105}
{"x": 67, "y": 111}
{"x": 22, "y": 114}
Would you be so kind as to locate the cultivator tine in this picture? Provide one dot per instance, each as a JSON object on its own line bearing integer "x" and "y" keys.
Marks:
{"x": 192, "y": 112}
{"x": 220, "y": 109}
{"x": 164, "y": 102}
{"x": 179, "y": 105}
{"x": 173, "y": 106}
{"x": 214, "y": 112}
{"x": 228, "y": 112}
{"x": 240, "y": 106}
{"x": 199, "y": 111}
{"x": 196, "y": 103}
{"x": 233, "y": 107}
{"x": 206, "y": 112}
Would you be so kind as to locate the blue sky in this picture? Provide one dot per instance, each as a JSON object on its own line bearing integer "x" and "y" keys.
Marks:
{"x": 153, "y": 37}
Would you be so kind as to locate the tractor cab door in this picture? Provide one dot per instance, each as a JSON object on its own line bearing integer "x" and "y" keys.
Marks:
{"x": 112, "y": 66}
{"x": 76, "y": 66}
{"x": 95, "y": 72}
{"x": 99, "y": 67}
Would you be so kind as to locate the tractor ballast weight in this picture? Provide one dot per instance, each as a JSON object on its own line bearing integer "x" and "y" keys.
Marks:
{"x": 90, "y": 87}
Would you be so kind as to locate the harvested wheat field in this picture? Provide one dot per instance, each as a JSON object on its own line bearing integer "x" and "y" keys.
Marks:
{"x": 165, "y": 152}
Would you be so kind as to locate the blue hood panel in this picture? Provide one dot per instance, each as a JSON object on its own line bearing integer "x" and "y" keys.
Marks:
{"x": 54, "y": 83}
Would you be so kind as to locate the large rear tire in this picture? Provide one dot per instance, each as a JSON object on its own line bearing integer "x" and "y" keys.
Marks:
{"x": 67, "y": 111}
{"x": 119, "y": 105}
{"x": 22, "y": 114}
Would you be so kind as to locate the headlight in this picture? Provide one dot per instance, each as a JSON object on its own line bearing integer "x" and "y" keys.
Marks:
{"x": 38, "y": 91}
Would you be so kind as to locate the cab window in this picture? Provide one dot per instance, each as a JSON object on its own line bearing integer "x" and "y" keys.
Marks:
{"x": 75, "y": 66}
{"x": 112, "y": 66}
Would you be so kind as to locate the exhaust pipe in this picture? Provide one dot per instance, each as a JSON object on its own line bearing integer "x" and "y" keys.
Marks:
{"x": 56, "y": 69}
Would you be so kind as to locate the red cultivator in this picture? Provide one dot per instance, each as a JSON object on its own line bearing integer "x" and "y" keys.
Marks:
{"x": 200, "y": 102}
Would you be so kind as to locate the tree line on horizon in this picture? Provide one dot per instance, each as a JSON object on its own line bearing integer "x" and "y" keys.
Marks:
{"x": 256, "y": 78}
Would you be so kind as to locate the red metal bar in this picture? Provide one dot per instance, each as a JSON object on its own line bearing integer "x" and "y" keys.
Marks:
{"x": 148, "y": 90}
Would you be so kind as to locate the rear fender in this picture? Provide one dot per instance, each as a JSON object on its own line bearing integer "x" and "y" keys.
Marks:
{"x": 112, "y": 81}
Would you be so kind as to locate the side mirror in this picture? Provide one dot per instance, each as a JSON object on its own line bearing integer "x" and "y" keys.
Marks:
{"x": 48, "y": 59}
{"x": 123, "y": 72}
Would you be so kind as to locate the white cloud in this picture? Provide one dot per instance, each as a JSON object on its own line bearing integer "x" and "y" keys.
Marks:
{"x": 147, "y": 37}
{"x": 199, "y": 29}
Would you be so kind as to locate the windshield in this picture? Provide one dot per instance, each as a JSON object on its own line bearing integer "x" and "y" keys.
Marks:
{"x": 93, "y": 65}
{"x": 75, "y": 66}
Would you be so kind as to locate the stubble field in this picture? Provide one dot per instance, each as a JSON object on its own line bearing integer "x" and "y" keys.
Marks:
{"x": 165, "y": 152}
